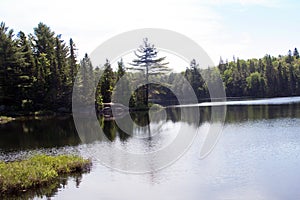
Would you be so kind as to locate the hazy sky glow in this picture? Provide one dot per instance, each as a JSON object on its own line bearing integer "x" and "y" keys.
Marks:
{"x": 244, "y": 28}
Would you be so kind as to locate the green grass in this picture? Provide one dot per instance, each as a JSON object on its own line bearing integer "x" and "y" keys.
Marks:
{"x": 37, "y": 171}
{"x": 5, "y": 119}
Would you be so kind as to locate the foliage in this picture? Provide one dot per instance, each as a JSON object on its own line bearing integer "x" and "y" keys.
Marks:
{"x": 148, "y": 63}
{"x": 37, "y": 73}
{"x": 107, "y": 83}
{"x": 265, "y": 77}
{"x": 37, "y": 171}
{"x": 122, "y": 86}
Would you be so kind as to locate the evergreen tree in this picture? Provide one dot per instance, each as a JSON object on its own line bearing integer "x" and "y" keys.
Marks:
{"x": 37, "y": 72}
{"x": 222, "y": 65}
{"x": 289, "y": 58}
{"x": 254, "y": 82}
{"x": 11, "y": 60}
{"x": 98, "y": 96}
{"x": 192, "y": 74}
{"x": 292, "y": 80}
{"x": 281, "y": 87}
{"x": 72, "y": 61}
{"x": 44, "y": 48}
{"x": 296, "y": 53}
{"x": 27, "y": 70}
{"x": 107, "y": 83}
{"x": 149, "y": 64}
{"x": 121, "y": 69}
{"x": 86, "y": 78}
{"x": 122, "y": 85}
{"x": 270, "y": 76}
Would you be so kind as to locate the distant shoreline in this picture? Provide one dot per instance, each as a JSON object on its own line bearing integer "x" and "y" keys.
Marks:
{"x": 230, "y": 101}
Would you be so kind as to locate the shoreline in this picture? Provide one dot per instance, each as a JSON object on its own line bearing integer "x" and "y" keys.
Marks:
{"x": 6, "y": 117}
{"x": 20, "y": 176}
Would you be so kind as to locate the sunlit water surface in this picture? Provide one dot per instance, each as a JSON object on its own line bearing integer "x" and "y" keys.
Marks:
{"x": 257, "y": 156}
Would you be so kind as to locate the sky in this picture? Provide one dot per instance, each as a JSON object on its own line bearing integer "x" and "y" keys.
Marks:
{"x": 223, "y": 28}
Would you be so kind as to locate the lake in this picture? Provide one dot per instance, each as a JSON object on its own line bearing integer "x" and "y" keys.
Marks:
{"x": 257, "y": 156}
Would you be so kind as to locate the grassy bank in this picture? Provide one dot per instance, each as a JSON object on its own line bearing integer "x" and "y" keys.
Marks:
{"x": 5, "y": 119}
{"x": 39, "y": 170}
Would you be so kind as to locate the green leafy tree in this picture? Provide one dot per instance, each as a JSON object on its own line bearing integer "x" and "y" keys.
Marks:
{"x": 254, "y": 83}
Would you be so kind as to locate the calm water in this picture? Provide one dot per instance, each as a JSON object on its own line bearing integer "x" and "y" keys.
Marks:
{"x": 257, "y": 156}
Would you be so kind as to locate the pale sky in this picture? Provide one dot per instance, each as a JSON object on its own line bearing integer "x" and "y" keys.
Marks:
{"x": 244, "y": 28}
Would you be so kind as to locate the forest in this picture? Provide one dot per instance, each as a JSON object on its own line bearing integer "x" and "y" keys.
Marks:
{"x": 38, "y": 71}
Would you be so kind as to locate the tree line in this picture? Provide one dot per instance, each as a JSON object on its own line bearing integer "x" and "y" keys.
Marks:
{"x": 254, "y": 78}
{"x": 38, "y": 71}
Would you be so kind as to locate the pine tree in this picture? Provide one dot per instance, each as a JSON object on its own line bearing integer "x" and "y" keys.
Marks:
{"x": 107, "y": 83}
{"x": 11, "y": 60}
{"x": 72, "y": 61}
{"x": 251, "y": 66}
{"x": 44, "y": 49}
{"x": 98, "y": 96}
{"x": 292, "y": 80}
{"x": 148, "y": 63}
{"x": 280, "y": 79}
{"x": 86, "y": 75}
{"x": 62, "y": 69}
{"x": 27, "y": 71}
{"x": 222, "y": 65}
{"x": 289, "y": 58}
{"x": 270, "y": 76}
{"x": 296, "y": 53}
{"x": 192, "y": 74}
{"x": 121, "y": 69}
{"x": 122, "y": 88}
{"x": 254, "y": 82}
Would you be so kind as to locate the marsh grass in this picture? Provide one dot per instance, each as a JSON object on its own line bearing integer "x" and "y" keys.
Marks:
{"x": 5, "y": 119}
{"x": 39, "y": 170}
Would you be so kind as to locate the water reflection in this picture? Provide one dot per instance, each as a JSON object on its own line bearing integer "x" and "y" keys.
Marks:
{"x": 260, "y": 147}
{"x": 261, "y": 112}
{"x": 47, "y": 191}
{"x": 32, "y": 133}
